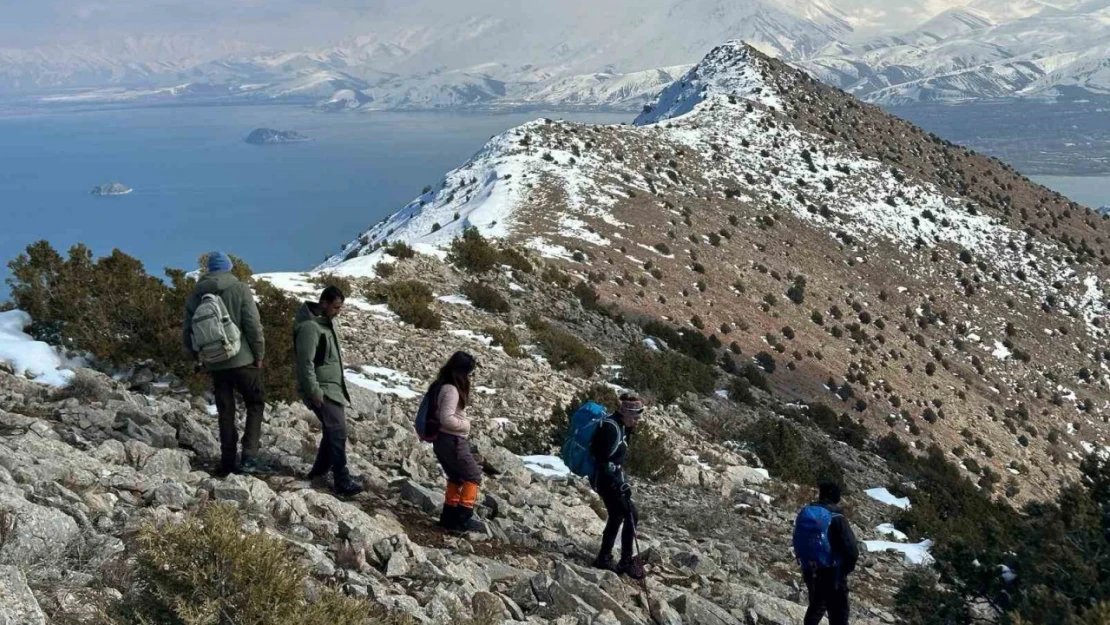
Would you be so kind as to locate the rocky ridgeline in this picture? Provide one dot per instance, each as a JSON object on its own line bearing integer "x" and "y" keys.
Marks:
{"x": 83, "y": 469}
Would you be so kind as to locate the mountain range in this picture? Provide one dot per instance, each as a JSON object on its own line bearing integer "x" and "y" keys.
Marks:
{"x": 987, "y": 49}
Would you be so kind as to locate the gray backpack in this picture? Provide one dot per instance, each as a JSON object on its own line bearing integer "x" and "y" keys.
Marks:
{"x": 215, "y": 335}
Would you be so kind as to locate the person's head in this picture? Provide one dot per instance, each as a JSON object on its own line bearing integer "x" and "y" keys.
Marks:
{"x": 631, "y": 409}
{"x": 218, "y": 261}
{"x": 457, "y": 373}
{"x": 331, "y": 302}
{"x": 829, "y": 492}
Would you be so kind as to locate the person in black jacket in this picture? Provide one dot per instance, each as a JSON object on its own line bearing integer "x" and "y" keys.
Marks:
{"x": 828, "y": 588}
{"x": 609, "y": 448}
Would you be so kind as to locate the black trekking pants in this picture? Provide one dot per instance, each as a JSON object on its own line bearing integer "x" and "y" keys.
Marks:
{"x": 247, "y": 381}
{"x": 828, "y": 594}
{"x": 332, "y": 454}
{"x": 620, "y": 510}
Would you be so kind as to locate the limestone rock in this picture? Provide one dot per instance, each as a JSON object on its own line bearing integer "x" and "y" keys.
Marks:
{"x": 36, "y": 531}
{"x": 18, "y": 605}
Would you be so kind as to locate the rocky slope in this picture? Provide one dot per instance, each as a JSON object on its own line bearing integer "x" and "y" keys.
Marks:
{"x": 928, "y": 290}
{"x": 88, "y": 465}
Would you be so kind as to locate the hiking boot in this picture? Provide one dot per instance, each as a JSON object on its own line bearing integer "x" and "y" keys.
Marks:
{"x": 631, "y": 567}
{"x": 449, "y": 518}
{"x": 347, "y": 487}
{"x": 605, "y": 563}
{"x": 251, "y": 466}
{"x": 465, "y": 522}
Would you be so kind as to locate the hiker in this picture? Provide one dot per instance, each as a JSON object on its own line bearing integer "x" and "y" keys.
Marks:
{"x": 609, "y": 449}
{"x": 321, "y": 385}
{"x": 451, "y": 396}
{"x": 223, "y": 335}
{"x": 826, "y": 548}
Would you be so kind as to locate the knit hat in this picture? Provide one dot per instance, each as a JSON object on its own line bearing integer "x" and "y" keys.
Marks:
{"x": 632, "y": 407}
{"x": 218, "y": 261}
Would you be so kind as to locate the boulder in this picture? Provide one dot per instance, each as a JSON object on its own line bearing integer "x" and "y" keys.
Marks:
{"x": 172, "y": 495}
{"x": 570, "y": 580}
{"x": 663, "y": 614}
{"x": 698, "y": 611}
{"x": 167, "y": 463}
{"x": 427, "y": 500}
{"x": 18, "y": 605}
{"x": 36, "y": 531}
{"x": 244, "y": 490}
{"x": 191, "y": 434}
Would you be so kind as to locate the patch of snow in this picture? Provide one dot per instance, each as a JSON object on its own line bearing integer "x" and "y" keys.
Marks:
{"x": 28, "y": 357}
{"x": 516, "y": 288}
{"x": 211, "y": 410}
{"x": 485, "y": 390}
{"x": 1006, "y": 573}
{"x": 1000, "y": 351}
{"x": 474, "y": 336}
{"x": 914, "y": 553}
{"x": 889, "y": 530}
{"x": 722, "y": 393}
{"x": 460, "y": 300}
{"x": 883, "y": 495}
{"x": 547, "y": 466}
{"x": 382, "y": 381}
{"x": 651, "y": 344}
{"x": 547, "y": 249}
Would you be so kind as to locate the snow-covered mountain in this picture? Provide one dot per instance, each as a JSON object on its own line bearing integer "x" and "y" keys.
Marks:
{"x": 607, "y": 58}
{"x": 989, "y": 49}
{"x": 886, "y": 271}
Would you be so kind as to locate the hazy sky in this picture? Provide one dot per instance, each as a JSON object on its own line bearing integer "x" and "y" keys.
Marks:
{"x": 295, "y": 23}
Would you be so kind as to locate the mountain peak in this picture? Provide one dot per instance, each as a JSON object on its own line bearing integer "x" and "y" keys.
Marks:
{"x": 733, "y": 69}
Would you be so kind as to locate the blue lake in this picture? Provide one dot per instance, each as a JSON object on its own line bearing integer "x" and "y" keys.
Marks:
{"x": 198, "y": 186}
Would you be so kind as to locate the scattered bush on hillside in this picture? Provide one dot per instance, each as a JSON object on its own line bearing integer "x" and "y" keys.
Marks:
{"x": 411, "y": 300}
{"x": 485, "y": 297}
{"x": 650, "y": 456}
{"x": 839, "y": 426}
{"x": 587, "y": 296}
{"x": 789, "y": 455}
{"x": 400, "y": 250}
{"x": 206, "y": 570}
{"x": 693, "y": 344}
{"x": 765, "y": 361}
{"x": 564, "y": 351}
{"x": 667, "y": 375}
{"x": 324, "y": 280}
{"x": 472, "y": 252}
{"x": 543, "y": 436}
{"x": 278, "y": 309}
{"x": 113, "y": 310}
{"x": 385, "y": 271}
{"x": 553, "y": 275}
{"x": 505, "y": 338}
{"x": 516, "y": 259}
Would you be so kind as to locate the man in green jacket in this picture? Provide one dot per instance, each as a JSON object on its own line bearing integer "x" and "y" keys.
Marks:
{"x": 242, "y": 372}
{"x": 321, "y": 385}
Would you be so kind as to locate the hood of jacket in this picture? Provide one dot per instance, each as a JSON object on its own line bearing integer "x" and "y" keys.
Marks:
{"x": 216, "y": 282}
{"x": 309, "y": 312}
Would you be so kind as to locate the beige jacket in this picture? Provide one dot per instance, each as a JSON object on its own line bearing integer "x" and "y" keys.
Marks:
{"x": 452, "y": 419}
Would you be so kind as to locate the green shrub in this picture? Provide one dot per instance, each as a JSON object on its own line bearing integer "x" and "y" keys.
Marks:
{"x": 516, "y": 259}
{"x": 277, "y": 310}
{"x": 788, "y": 455}
{"x": 565, "y": 351}
{"x": 740, "y": 391}
{"x": 839, "y": 426}
{"x": 650, "y": 456}
{"x": 472, "y": 252}
{"x": 385, "y": 271}
{"x": 411, "y": 300}
{"x": 207, "y": 571}
{"x": 543, "y": 436}
{"x": 506, "y": 339}
{"x": 693, "y": 344}
{"x": 343, "y": 283}
{"x": 587, "y": 295}
{"x": 667, "y": 375}
{"x": 485, "y": 297}
{"x": 552, "y": 275}
{"x": 400, "y": 250}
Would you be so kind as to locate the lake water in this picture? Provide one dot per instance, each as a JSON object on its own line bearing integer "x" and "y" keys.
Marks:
{"x": 1093, "y": 191}
{"x": 198, "y": 186}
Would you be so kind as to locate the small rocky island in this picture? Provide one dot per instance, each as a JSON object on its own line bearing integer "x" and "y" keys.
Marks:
{"x": 114, "y": 188}
{"x": 269, "y": 136}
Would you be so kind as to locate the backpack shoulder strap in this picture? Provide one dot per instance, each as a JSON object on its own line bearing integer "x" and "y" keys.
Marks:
{"x": 620, "y": 435}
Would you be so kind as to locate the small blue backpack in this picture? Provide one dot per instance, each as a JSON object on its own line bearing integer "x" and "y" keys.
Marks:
{"x": 576, "y": 450}
{"x": 811, "y": 538}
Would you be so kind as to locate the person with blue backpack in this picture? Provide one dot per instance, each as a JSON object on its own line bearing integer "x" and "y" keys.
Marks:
{"x": 826, "y": 548}
{"x": 609, "y": 450}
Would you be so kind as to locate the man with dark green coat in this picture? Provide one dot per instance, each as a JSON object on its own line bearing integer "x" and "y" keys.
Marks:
{"x": 321, "y": 384}
{"x": 236, "y": 370}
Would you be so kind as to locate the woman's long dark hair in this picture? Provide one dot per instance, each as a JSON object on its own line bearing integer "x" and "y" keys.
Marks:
{"x": 457, "y": 373}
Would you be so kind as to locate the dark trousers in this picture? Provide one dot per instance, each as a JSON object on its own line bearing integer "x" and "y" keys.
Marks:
{"x": 247, "y": 381}
{"x": 827, "y": 595}
{"x": 332, "y": 454}
{"x": 457, "y": 459}
{"x": 620, "y": 511}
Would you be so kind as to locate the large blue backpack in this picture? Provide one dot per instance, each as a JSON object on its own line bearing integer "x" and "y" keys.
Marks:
{"x": 811, "y": 538}
{"x": 576, "y": 450}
